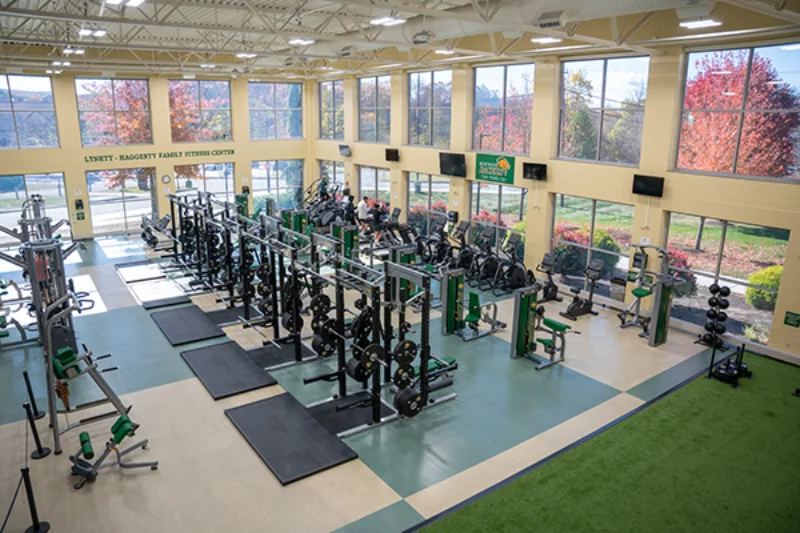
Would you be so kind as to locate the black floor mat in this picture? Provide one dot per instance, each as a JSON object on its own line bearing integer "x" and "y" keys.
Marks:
{"x": 231, "y": 315}
{"x": 338, "y": 422}
{"x": 166, "y": 302}
{"x": 288, "y": 439}
{"x": 225, "y": 370}
{"x": 270, "y": 356}
{"x": 185, "y": 325}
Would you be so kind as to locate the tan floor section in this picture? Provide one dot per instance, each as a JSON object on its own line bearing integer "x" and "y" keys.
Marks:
{"x": 604, "y": 351}
{"x": 210, "y": 480}
{"x": 466, "y": 484}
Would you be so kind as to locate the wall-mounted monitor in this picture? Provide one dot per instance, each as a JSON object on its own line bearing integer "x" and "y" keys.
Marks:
{"x": 648, "y": 185}
{"x": 452, "y": 165}
{"x": 344, "y": 150}
{"x": 392, "y": 154}
{"x": 534, "y": 171}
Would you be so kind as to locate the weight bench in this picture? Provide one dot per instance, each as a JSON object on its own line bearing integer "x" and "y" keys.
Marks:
{"x": 477, "y": 313}
{"x": 436, "y": 364}
{"x": 555, "y": 345}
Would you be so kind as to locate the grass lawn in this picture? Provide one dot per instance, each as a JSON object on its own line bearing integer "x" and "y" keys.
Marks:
{"x": 705, "y": 458}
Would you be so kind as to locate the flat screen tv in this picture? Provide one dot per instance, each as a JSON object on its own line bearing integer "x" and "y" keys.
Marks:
{"x": 392, "y": 154}
{"x": 452, "y": 165}
{"x": 344, "y": 150}
{"x": 648, "y": 185}
{"x": 534, "y": 171}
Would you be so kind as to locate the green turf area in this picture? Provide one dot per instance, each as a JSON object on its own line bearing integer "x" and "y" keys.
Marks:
{"x": 704, "y": 458}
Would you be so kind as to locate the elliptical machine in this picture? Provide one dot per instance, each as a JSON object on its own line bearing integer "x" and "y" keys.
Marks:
{"x": 583, "y": 306}
{"x": 550, "y": 289}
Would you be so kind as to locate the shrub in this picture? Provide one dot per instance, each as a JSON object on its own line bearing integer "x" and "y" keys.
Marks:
{"x": 756, "y": 333}
{"x": 572, "y": 260}
{"x": 485, "y": 216}
{"x": 680, "y": 259}
{"x": 439, "y": 205}
{"x": 769, "y": 278}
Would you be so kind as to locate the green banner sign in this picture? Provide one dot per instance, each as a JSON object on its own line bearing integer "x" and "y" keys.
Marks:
{"x": 143, "y": 156}
{"x": 792, "y": 319}
{"x": 495, "y": 168}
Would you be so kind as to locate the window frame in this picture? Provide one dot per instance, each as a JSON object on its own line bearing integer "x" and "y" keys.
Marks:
{"x": 336, "y": 165}
{"x": 274, "y": 110}
{"x": 429, "y": 108}
{"x": 428, "y": 211}
{"x": 740, "y": 111}
{"x": 200, "y": 109}
{"x": 376, "y": 191}
{"x": 275, "y": 192}
{"x": 333, "y": 111}
{"x": 476, "y": 185}
{"x": 13, "y": 113}
{"x": 114, "y": 111}
{"x": 376, "y": 108}
{"x": 504, "y": 108}
{"x": 601, "y": 110}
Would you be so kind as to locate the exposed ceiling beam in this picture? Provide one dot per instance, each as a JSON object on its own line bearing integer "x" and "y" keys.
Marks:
{"x": 465, "y": 16}
{"x": 785, "y": 13}
{"x": 329, "y": 37}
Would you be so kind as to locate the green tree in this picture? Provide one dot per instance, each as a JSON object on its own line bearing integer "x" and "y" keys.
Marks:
{"x": 624, "y": 139}
{"x": 578, "y": 127}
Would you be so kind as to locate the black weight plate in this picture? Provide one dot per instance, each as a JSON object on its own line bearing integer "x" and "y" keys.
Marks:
{"x": 327, "y": 327}
{"x": 264, "y": 290}
{"x": 265, "y": 306}
{"x": 321, "y": 304}
{"x": 403, "y": 376}
{"x": 408, "y": 402}
{"x": 263, "y": 271}
{"x": 358, "y": 348}
{"x": 356, "y": 370}
{"x": 371, "y": 354}
{"x": 317, "y": 321}
{"x": 405, "y": 352}
{"x": 288, "y": 322}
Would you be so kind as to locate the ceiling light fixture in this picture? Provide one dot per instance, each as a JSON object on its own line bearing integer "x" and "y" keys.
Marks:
{"x": 85, "y": 32}
{"x": 59, "y": 71}
{"x": 207, "y": 65}
{"x": 325, "y": 67}
{"x": 546, "y": 40}
{"x": 386, "y": 21}
{"x": 114, "y": 2}
{"x": 69, "y": 51}
{"x": 48, "y": 71}
{"x": 66, "y": 63}
{"x": 56, "y": 63}
{"x": 445, "y": 52}
{"x": 188, "y": 76}
{"x": 791, "y": 47}
{"x": 699, "y": 24}
{"x": 301, "y": 42}
{"x": 246, "y": 55}
{"x": 79, "y": 51}
{"x": 99, "y": 33}
{"x": 134, "y": 3}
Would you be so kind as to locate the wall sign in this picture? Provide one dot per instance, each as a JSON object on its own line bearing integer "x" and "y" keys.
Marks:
{"x": 792, "y": 319}
{"x": 495, "y": 168}
{"x": 156, "y": 155}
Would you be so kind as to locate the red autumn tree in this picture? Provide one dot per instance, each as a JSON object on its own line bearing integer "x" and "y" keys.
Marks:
{"x": 199, "y": 110}
{"x": 708, "y": 138}
{"x": 489, "y": 128}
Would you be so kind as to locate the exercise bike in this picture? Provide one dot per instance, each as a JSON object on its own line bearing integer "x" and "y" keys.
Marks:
{"x": 583, "y": 306}
{"x": 550, "y": 289}
{"x": 511, "y": 273}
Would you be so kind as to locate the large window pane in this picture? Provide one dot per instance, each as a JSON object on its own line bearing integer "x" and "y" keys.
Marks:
{"x": 486, "y": 198}
{"x": 113, "y": 112}
{"x": 503, "y": 108}
{"x": 615, "y": 219}
{"x": 583, "y": 83}
{"x": 513, "y": 207}
{"x": 27, "y": 115}
{"x": 573, "y": 219}
{"x": 698, "y": 239}
{"x": 105, "y": 201}
{"x": 200, "y": 111}
{"x": 440, "y": 193}
{"x": 12, "y": 196}
{"x": 626, "y": 83}
{"x": 275, "y": 110}
{"x": 419, "y": 189}
{"x": 750, "y": 249}
{"x": 749, "y": 100}
{"x": 331, "y": 109}
{"x": 429, "y": 108}
{"x": 579, "y": 131}
{"x": 374, "y": 103}
{"x": 622, "y": 135}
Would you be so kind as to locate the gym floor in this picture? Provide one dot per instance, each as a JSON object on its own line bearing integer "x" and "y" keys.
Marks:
{"x": 507, "y": 417}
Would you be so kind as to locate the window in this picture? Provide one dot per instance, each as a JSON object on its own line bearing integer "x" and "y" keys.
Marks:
{"x": 503, "y": 103}
{"x": 602, "y": 109}
{"x": 428, "y": 198}
{"x": 335, "y": 172}
{"x": 113, "y": 112}
{"x": 216, "y": 178}
{"x": 375, "y": 183}
{"x": 15, "y": 190}
{"x": 748, "y": 101}
{"x": 27, "y": 115}
{"x": 200, "y": 110}
{"x": 277, "y": 180}
{"x": 331, "y": 109}
{"x": 429, "y": 99}
{"x": 119, "y": 198}
{"x": 586, "y": 229}
{"x": 276, "y": 110}
{"x": 374, "y": 109}
{"x": 496, "y": 210}
{"x": 748, "y": 259}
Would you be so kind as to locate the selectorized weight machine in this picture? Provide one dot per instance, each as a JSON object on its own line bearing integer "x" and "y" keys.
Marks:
{"x": 454, "y": 321}
{"x": 529, "y": 320}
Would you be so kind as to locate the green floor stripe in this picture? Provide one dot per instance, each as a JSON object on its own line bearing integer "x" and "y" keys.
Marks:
{"x": 394, "y": 518}
{"x": 706, "y": 458}
{"x": 661, "y": 383}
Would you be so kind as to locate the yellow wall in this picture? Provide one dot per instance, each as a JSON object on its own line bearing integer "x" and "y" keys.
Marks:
{"x": 756, "y": 202}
